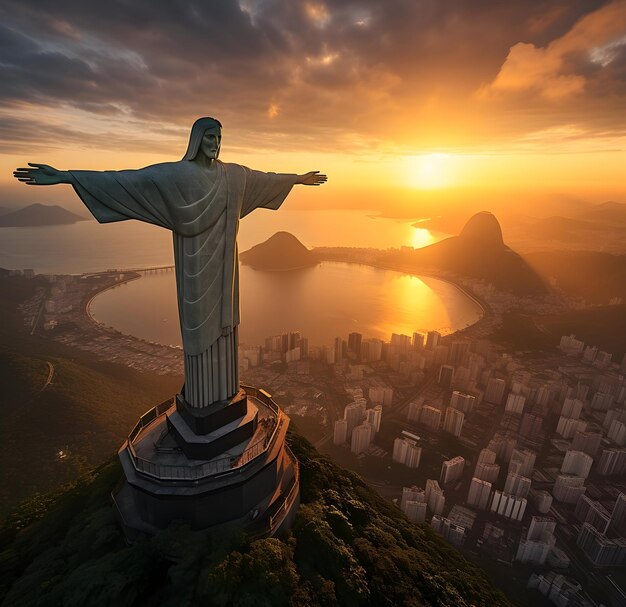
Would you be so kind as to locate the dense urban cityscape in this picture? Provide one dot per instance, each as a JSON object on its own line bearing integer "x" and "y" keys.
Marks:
{"x": 541, "y": 478}
{"x": 515, "y": 457}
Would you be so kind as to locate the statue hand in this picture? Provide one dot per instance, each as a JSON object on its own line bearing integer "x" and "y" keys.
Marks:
{"x": 41, "y": 174}
{"x": 312, "y": 178}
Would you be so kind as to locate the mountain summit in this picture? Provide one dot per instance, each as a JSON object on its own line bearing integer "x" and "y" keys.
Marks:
{"x": 478, "y": 251}
{"x": 39, "y": 215}
{"x": 483, "y": 230}
{"x": 282, "y": 251}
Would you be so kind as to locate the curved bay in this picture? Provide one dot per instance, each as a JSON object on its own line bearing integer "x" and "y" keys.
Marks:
{"x": 322, "y": 302}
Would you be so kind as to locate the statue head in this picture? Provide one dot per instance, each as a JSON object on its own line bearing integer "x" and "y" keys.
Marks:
{"x": 205, "y": 138}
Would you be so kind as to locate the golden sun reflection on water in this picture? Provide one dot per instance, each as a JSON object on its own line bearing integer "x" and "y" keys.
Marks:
{"x": 422, "y": 238}
{"x": 408, "y": 295}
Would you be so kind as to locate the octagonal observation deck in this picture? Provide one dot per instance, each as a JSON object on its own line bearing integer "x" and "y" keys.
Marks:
{"x": 228, "y": 464}
{"x": 155, "y": 453}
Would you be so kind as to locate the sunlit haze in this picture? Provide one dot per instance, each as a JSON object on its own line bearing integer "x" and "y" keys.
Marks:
{"x": 410, "y": 109}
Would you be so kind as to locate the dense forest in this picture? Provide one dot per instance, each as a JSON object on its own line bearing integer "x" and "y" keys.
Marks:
{"x": 348, "y": 546}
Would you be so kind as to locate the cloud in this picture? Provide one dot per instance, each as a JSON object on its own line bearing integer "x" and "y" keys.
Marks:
{"x": 338, "y": 74}
{"x": 554, "y": 71}
{"x": 528, "y": 68}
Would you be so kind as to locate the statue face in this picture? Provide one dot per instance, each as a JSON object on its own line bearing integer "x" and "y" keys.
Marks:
{"x": 211, "y": 142}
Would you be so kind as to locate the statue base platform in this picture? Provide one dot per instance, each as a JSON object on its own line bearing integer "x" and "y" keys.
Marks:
{"x": 236, "y": 472}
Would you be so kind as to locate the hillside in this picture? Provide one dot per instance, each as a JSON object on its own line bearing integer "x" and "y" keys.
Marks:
{"x": 348, "y": 547}
{"x": 602, "y": 326}
{"x": 596, "y": 277}
{"x": 478, "y": 251}
{"x": 282, "y": 251}
{"x": 39, "y": 215}
{"x": 48, "y": 436}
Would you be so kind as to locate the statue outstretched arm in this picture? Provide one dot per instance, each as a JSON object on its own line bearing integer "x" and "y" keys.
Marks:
{"x": 109, "y": 195}
{"x": 42, "y": 174}
{"x": 312, "y": 178}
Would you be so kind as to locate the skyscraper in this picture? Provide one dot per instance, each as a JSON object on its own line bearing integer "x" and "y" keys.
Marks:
{"x": 494, "y": 392}
{"x": 411, "y": 494}
{"x": 531, "y": 426}
{"x": 463, "y": 402}
{"x": 522, "y": 462}
{"x": 576, "y": 463}
{"x": 453, "y": 422}
{"x": 340, "y": 435}
{"x": 415, "y": 410}
{"x": 418, "y": 341}
{"x": 568, "y": 488}
{"x": 515, "y": 404}
{"x": 479, "y": 493}
{"x": 510, "y": 506}
{"x": 434, "y": 497}
{"x": 406, "y": 452}
{"x": 432, "y": 340}
{"x": 452, "y": 470}
{"x": 354, "y": 414}
{"x": 361, "y": 438}
{"x": 592, "y": 512}
{"x": 517, "y": 485}
{"x": 430, "y": 417}
{"x": 354, "y": 343}
{"x": 374, "y": 417}
{"x": 612, "y": 462}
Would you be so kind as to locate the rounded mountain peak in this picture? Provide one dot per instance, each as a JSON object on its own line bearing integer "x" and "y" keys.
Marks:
{"x": 484, "y": 229}
{"x": 282, "y": 251}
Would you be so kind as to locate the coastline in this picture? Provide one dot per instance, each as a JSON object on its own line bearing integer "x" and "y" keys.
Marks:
{"x": 481, "y": 303}
{"x": 261, "y": 269}
{"x": 75, "y": 326}
{"x": 485, "y": 310}
{"x": 94, "y": 294}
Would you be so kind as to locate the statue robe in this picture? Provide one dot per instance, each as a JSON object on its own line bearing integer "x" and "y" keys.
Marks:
{"x": 202, "y": 208}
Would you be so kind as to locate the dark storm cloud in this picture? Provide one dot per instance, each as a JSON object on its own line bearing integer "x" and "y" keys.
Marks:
{"x": 318, "y": 69}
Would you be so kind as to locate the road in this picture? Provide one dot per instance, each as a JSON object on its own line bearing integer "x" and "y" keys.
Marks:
{"x": 50, "y": 375}
{"x": 41, "y": 309}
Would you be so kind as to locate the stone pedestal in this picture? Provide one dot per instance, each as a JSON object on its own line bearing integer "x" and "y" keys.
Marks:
{"x": 226, "y": 465}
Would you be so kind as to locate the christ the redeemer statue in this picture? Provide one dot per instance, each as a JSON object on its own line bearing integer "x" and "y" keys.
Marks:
{"x": 200, "y": 199}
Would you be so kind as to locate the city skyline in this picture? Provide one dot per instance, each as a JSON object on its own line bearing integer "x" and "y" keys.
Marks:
{"x": 419, "y": 394}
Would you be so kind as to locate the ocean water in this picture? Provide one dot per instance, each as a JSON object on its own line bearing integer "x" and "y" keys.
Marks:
{"x": 88, "y": 246}
{"x": 322, "y": 302}
{"x": 329, "y": 300}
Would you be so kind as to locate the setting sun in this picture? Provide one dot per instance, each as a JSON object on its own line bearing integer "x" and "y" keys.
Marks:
{"x": 430, "y": 171}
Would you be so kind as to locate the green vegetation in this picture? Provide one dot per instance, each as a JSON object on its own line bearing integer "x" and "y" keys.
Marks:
{"x": 603, "y": 326}
{"x": 348, "y": 546}
{"x": 49, "y": 437}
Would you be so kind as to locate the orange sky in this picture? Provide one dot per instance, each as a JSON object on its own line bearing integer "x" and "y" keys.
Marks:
{"x": 407, "y": 106}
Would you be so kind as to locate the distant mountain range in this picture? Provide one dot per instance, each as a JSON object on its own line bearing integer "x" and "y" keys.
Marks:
{"x": 282, "y": 251}
{"x": 38, "y": 215}
{"x": 607, "y": 212}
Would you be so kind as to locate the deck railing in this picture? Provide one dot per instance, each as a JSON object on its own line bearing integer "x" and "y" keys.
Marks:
{"x": 287, "y": 502}
{"x": 206, "y": 469}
